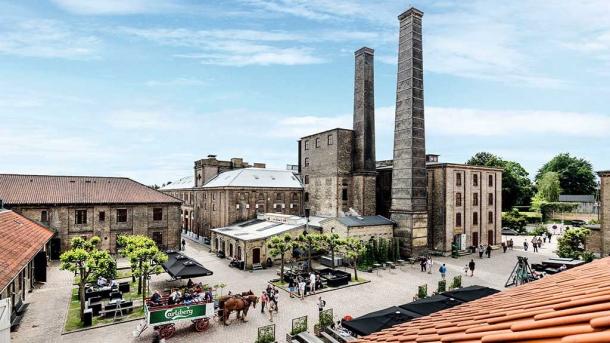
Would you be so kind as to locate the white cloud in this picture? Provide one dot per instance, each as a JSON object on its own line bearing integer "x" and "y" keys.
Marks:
{"x": 114, "y": 7}
{"x": 46, "y": 39}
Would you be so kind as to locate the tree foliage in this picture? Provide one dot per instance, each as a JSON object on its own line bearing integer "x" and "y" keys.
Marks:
{"x": 144, "y": 256}
{"x": 576, "y": 175}
{"x": 572, "y": 243}
{"x": 279, "y": 246}
{"x": 353, "y": 249}
{"x": 517, "y": 188}
{"x": 514, "y": 220}
{"x": 549, "y": 187}
{"x": 331, "y": 242}
{"x": 309, "y": 242}
{"x": 89, "y": 263}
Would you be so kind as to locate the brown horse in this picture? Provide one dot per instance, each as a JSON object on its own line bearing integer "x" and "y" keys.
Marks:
{"x": 237, "y": 303}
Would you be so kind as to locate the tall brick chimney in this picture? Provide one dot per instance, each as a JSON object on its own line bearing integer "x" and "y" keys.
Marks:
{"x": 409, "y": 203}
{"x": 364, "y": 169}
{"x": 364, "y": 111}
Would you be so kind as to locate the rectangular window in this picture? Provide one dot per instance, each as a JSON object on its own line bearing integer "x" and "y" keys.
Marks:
{"x": 101, "y": 216}
{"x": 490, "y": 199}
{"x": 213, "y": 207}
{"x": 330, "y": 139}
{"x": 344, "y": 194}
{"x": 475, "y": 180}
{"x": 157, "y": 214}
{"x": 306, "y": 196}
{"x": 475, "y": 199}
{"x": 491, "y": 180}
{"x": 458, "y": 179}
{"x": 317, "y": 142}
{"x": 121, "y": 215}
{"x": 306, "y": 145}
{"x": 44, "y": 216}
{"x": 158, "y": 238}
{"x": 458, "y": 219}
{"x": 81, "y": 216}
{"x": 490, "y": 217}
{"x": 306, "y": 161}
{"x": 213, "y": 196}
{"x": 475, "y": 218}
{"x": 458, "y": 199}
{"x": 306, "y": 179}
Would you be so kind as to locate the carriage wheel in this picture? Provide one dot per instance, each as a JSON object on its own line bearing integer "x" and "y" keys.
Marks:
{"x": 202, "y": 324}
{"x": 167, "y": 331}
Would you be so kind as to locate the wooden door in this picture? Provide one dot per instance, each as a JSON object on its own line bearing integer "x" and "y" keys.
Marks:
{"x": 475, "y": 239}
{"x": 256, "y": 255}
{"x": 490, "y": 237}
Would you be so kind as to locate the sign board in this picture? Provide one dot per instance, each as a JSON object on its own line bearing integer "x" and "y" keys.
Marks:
{"x": 175, "y": 314}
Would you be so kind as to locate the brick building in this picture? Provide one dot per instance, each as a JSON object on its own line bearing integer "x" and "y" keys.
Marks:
{"x": 23, "y": 259}
{"x": 89, "y": 206}
{"x": 361, "y": 227}
{"x": 183, "y": 189}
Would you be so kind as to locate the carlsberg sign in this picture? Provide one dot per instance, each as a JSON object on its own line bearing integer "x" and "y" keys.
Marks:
{"x": 177, "y": 313}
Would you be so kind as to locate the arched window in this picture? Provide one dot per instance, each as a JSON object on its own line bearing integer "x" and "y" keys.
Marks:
{"x": 294, "y": 197}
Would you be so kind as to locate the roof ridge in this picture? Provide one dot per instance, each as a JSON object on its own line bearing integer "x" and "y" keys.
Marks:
{"x": 66, "y": 176}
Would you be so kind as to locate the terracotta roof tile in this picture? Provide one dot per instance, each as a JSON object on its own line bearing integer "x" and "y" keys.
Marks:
{"x": 48, "y": 189}
{"x": 21, "y": 239}
{"x": 572, "y": 306}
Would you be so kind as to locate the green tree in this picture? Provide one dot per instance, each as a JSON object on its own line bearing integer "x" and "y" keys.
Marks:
{"x": 309, "y": 242}
{"x": 89, "y": 263}
{"x": 573, "y": 242}
{"x": 353, "y": 248}
{"x": 331, "y": 242}
{"x": 517, "y": 188}
{"x": 279, "y": 246}
{"x": 576, "y": 175}
{"x": 145, "y": 257}
{"x": 549, "y": 187}
{"x": 514, "y": 220}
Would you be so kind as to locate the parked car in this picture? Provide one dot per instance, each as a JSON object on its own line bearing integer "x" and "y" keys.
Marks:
{"x": 509, "y": 232}
{"x": 578, "y": 222}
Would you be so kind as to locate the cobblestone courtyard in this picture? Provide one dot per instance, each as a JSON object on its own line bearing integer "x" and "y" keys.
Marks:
{"x": 45, "y": 317}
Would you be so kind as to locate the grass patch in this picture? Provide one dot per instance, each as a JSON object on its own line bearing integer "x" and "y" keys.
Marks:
{"x": 73, "y": 321}
{"x": 360, "y": 280}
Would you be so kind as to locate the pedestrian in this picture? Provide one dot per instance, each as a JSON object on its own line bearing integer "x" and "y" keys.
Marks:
{"x": 312, "y": 283}
{"x": 466, "y": 269}
{"x": 504, "y": 247}
{"x": 270, "y": 309}
{"x": 321, "y": 304}
{"x": 549, "y": 235}
{"x": 481, "y": 251}
{"x": 539, "y": 242}
{"x": 471, "y": 267}
{"x": 511, "y": 244}
{"x": 275, "y": 300}
{"x": 443, "y": 271}
{"x": 291, "y": 287}
{"x": 525, "y": 245}
{"x": 302, "y": 288}
{"x": 183, "y": 244}
{"x": 264, "y": 300}
{"x": 429, "y": 264}
{"x": 544, "y": 238}
{"x": 488, "y": 251}
{"x": 422, "y": 264}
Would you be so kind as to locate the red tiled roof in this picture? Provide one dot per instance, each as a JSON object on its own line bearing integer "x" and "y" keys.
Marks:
{"x": 20, "y": 240}
{"x": 47, "y": 189}
{"x": 572, "y": 306}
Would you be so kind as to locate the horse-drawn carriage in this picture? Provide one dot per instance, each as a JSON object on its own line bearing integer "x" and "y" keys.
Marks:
{"x": 164, "y": 318}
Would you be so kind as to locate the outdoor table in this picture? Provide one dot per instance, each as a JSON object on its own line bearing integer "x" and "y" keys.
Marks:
{"x": 391, "y": 264}
{"x": 377, "y": 266}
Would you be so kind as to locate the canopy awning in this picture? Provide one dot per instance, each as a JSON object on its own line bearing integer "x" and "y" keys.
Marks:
{"x": 431, "y": 304}
{"x": 470, "y": 293}
{"x": 180, "y": 266}
{"x": 379, "y": 320}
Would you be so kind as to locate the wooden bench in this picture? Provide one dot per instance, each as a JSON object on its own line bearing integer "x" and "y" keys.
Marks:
{"x": 328, "y": 338}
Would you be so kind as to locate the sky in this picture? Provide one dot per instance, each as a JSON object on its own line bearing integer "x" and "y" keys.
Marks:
{"x": 142, "y": 88}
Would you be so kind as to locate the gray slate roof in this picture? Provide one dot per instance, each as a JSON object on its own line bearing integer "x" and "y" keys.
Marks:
{"x": 364, "y": 220}
{"x": 576, "y": 198}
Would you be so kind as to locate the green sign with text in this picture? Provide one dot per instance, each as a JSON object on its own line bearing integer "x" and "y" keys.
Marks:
{"x": 165, "y": 316}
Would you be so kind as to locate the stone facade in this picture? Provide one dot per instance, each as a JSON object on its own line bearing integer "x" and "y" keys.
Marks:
{"x": 326, "y": 170}
{"x": 604, "y": 212}
{"x": 364, "y": 233}
{"x": 103, "y": 221}
{"x": 409, "y": 208}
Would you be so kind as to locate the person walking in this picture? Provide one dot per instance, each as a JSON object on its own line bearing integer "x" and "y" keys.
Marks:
{"x": 443, "y": 271}
{"x": 429, "y": 264}
{"x": 488, "y": 251}
{"x": 264, "y": 300}
{"x": 292, "y": 287}
{"x": 275, "y": 297}
{"x": 302, "y": 288}
{"x": 422, "y": 264}
{"x": 511, "y": 244}
{"x": 504, "y": 247}
{"x": 183, "y": 244}
{"x": 471, "y": 267}
{"x": 481, "y": 251}
{"x": 270, "y": 310}
{"x": 312, "y": 283}
{"x": 539, "y": 242}
{"x": 525, "y": 245}
{"x": 321, "y": 304}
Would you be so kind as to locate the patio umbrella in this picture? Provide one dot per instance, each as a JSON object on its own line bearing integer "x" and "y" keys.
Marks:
{"x": 470, "y": 293}
{"x": 431, "y": 304}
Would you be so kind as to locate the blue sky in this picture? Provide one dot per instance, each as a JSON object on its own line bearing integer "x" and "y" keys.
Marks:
{"x": 142, "y": 88}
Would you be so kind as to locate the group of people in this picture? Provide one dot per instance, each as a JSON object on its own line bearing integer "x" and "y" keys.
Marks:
{"x": 103, "y": 282}
{"x": 192, "y": 293}
{"x": 484, "y": 250}
{"x": 425, "y": 263}
{"x": 536, "y": 243}
{"x": 509, "y": 244}
{"x": 298, "y": 286}
{"x": 269, "y": 298}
